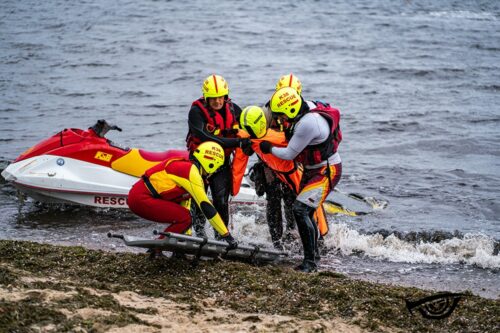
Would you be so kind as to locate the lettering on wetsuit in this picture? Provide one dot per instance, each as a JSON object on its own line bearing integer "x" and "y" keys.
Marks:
{"x": 110, "y": 201}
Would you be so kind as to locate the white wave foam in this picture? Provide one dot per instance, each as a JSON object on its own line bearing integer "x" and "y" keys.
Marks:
{"x": 246, "y": 230}
{"x": 473, "y": 249}
{"x": 464, "y": 14}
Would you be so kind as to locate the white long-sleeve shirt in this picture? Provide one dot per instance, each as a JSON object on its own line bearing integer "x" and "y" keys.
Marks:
{"x": 311, "y": 129}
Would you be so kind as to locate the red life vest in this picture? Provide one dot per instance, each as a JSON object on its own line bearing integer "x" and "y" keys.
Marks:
{"x": 216, "y": 124}
{"x": 314, "y": 154}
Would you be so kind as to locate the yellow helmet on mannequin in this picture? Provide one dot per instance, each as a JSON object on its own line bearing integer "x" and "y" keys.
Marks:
{"x": 215, "y": 86}
{"x": 286, "y": 101}
{"x": 253, "y": 120}
{"x": 210, "y": 155}
{"x": 291, "y": 81}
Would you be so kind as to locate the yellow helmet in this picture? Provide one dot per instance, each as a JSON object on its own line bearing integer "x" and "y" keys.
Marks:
{"x": 215, "y": 86}
{"x": 210, "y": 155}
{"x": 286, "y": 101}
{"x": 254, "y": 121}
{"x": 290, "y": 81}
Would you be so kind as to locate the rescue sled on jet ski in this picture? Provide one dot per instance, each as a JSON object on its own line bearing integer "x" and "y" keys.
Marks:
{"x": 203, "y": 247}
{"x": 83, "y": 167}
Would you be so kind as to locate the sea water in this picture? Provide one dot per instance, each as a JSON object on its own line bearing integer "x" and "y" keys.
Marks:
{"x": 417, "y": 83}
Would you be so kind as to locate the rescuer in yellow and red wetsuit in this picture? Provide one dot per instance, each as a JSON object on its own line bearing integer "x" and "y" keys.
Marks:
{"x": 164, "y": 191}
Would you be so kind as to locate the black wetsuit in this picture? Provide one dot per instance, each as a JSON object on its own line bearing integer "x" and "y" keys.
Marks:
{"x": 221, "y": 181}
{"x": 276, "y": 191}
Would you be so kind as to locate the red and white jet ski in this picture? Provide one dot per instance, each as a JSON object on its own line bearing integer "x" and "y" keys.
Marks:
{"x": 82, "y": 167}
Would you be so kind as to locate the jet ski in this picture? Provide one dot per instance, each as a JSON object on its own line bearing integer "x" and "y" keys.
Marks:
{"x": 83, "y": 167}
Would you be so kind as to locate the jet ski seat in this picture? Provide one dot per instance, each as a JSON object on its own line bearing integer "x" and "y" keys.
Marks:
{"x": 137, "y": 161}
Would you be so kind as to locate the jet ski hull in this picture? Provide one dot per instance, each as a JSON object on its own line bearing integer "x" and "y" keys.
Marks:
{"x": 58, "y": 179}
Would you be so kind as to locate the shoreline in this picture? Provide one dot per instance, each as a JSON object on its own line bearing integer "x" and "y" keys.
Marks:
{"x": 59, "y": 288}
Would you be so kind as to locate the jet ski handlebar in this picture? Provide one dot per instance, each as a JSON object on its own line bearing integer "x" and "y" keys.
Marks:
{"x": 102, "y": 127}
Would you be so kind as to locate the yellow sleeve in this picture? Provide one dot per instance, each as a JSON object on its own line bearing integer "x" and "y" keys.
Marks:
{"x": 195, "y": 186}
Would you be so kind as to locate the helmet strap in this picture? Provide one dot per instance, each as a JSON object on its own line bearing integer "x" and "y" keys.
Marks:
{"x": 197, "y": 164}
{"x": 194, "y": 160}
{"x": 304, "y": 108}
{"x": 251, "y": 132}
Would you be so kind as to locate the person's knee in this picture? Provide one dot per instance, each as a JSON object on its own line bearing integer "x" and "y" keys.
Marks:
{"x": 135, "y": 205}
{"x": 131, "y": 203}
{"x": 300, "y": 208}
{"x": 220, "y": 204}
{"x": 273, "y": 204}
{"x": 186, "y": 224}
{"x": 220, "y": 193}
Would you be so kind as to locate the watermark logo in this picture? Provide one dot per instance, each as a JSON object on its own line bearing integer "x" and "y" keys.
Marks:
{"x": 436, "y": 306}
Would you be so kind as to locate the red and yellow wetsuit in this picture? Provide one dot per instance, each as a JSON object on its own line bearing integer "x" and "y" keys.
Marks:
{"x": 162, "y": 195}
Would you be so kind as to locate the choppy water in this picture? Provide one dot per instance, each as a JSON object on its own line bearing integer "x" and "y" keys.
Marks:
{"x": 417, "y": 82}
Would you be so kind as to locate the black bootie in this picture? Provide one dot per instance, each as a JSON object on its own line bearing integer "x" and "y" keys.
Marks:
{"x": 307, "y": 267}
{"x": 307, "y": 234}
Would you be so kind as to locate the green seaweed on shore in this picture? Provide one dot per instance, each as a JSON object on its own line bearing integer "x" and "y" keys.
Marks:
{"x": 7, "y": 276}
{"x": 241, "y": 287}
{"x": 21, "y": 315}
